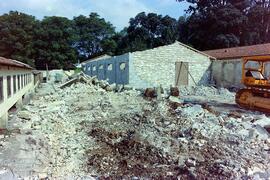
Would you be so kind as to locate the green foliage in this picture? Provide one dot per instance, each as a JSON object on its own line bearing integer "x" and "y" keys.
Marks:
{"x": 59, "y": 42}
{"x": 53, "y": 43}
{"x": 93, "y": 35}
{"x": 16, "y": 36}
{"x": 77, "y": 70}
{"x": 147, "y": 31}
{"x": 216, "y": 24}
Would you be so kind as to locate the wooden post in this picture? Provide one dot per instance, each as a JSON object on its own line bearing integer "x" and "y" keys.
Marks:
{"x": 47, "y": 73}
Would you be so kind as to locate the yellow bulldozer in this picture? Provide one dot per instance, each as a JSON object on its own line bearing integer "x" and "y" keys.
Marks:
{"x": 256, "y": 95}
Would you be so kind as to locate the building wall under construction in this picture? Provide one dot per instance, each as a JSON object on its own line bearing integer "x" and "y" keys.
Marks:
{"x": 227, "y": 73}
{"x": 152, "y": 68}
{"x": 157, "y": 66}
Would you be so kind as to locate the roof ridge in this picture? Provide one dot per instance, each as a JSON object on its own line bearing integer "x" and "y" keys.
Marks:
{"x": 12, "y": 62}
{"x": 241, "y": 51}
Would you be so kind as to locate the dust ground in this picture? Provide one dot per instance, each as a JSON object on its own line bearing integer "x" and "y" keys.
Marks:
{"x": 86, "y": 132}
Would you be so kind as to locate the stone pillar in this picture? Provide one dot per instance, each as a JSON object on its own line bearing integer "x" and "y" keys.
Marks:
{"x": 222, "y": 74}
{"x": 19, "y": 103}
{"x": 27, "y": 98}
{"x": 235, "y": 76}
{"x": 4, "y": 120}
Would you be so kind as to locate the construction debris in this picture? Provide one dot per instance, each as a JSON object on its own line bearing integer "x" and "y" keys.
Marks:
{"x": 150, "y": 92}
{"x": 78, "y": 78}
{"x": 174, "y": 91}
{"x": 85, "y": 129}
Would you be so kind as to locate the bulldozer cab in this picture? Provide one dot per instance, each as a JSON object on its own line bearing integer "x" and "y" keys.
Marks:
{"x": 254, "y": 71}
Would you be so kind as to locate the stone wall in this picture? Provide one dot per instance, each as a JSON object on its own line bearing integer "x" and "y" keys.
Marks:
{"x": 157, "y": 66}
{"x": 228, "y": 73}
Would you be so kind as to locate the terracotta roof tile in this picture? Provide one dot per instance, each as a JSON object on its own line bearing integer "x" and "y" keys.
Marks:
{"x": 239, "y": 52}
{"x": 11, "y": 62}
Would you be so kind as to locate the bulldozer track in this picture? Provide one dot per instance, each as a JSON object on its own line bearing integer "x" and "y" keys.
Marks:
{"x": 246, "y": 93}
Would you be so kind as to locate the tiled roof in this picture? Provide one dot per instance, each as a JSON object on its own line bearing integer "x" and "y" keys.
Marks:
{"x": 239, "y": 52}
{"x": 11, "y": 62}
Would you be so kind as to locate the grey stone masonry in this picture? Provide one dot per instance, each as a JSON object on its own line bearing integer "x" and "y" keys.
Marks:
{"x": 228, "y": 72}
{"x": 156, "y": 66}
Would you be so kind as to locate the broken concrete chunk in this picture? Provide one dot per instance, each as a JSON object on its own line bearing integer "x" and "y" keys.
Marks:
{"x": 127, "y": 87}
{"x": 176, "y": 100}
{"x": 190, "y": 163}
{"x": 69, "y": 83}
{"x": 181, "y": 161}
{"x": 150, "y": 92}
{"x": 267, "y": 128}
{"x": 103, "y": 84}
{"x": 43, "y": 176}
{"x": 6, "y": 173}
{"x": 110, "y": 88}
{"x": 234, "y": 114}
{"x": 195, "y": 111}
{"x": 174, "y": 91}
{"x": 24, "y": 115}
{"x": 265, "y": 123}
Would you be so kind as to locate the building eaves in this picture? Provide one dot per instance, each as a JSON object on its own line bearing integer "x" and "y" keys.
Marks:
{"x": 14, "y": 63}
{"x": 239, "y": 52}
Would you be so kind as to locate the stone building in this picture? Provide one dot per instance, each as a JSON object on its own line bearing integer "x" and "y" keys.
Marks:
{"x": 227, "y": 68}
{"x": 16, "y": 82}
{"x": 176, "y": 64}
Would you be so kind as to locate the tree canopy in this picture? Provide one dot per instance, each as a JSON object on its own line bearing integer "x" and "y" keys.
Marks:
{"x": 94, "y": 35}
{"x": 60, "y": 42}
{"x": 147, "y": 31}
{"x": 216, "y": 24}
{"x": 16, "y": 36}
{"x": 52, "y": 43}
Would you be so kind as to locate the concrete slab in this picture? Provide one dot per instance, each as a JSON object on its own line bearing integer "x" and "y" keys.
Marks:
{"x": 4, "y": 120}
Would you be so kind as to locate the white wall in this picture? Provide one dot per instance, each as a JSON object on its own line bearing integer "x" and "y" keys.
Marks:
{"x": 227, "y": 73}
{"x": 157, "y": 66}
{"x": 8, "y": 102}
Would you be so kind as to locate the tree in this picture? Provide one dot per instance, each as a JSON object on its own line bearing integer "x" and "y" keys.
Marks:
{"x": 258, "y": 23}
{"x": 16, "y": 36}
{"x": 53, "y": 43}
{"x": 227, "y": 23}
{"x": 148, "y": 31}
{"x": 216, "y": 24}
{"x": 94, "y": 36}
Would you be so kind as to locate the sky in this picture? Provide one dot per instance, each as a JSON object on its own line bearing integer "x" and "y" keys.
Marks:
{"x": 118, "y": 12}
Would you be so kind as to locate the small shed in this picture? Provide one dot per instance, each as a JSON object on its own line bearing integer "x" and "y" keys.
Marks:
{"x": 227, "y": 68}
{"x": 175, "y": 64}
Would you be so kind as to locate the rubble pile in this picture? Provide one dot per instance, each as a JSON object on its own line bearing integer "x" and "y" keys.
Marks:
{"x": 191, "y": 143}
{"x": 206, "y": 91}
{"x": 61, "y": 117}
{"x": 90, "y": 131}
